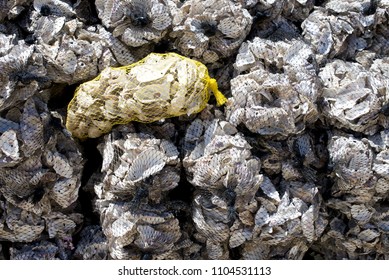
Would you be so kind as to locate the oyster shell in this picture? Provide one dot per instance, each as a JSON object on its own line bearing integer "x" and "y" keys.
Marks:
{"x": 11, "y": 9}
{"x": 236, "y": 206}
{"x": 19, "y": 75}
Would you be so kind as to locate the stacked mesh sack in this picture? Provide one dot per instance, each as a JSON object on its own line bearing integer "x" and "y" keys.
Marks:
{"x": 354, "y": 102}
{"x": 41, "y": 164}
{"x": 357, "y": 152}
{"x": 320, "y": 138}
{"x": 137, "y": 216}
{"x": 237, "y": 210}
{"x": 273, "y": 102}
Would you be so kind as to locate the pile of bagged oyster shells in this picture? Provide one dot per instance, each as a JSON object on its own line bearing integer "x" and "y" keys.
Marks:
{"x": 294, "y": 166}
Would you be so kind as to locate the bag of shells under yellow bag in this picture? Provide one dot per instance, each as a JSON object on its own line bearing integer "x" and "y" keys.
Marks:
{"x": 157, "y": 87}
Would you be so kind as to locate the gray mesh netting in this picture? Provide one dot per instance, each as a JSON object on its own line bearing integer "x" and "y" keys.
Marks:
{"x": 116, "y": 143}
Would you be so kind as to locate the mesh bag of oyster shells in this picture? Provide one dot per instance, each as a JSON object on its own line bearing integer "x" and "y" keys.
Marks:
{"x": 157, "y": 87}
{"x": 359, "y": 224}
{"x": 40, "y": 175}
{"x": 238, "y": 206}
{"x": 210, "y": 30}
{"x": 137, "y": 217}
{"x": 136, "y": 22}
{"x": 277, "y": 86}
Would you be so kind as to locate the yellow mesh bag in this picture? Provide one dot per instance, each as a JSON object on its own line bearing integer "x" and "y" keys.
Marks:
{"x": 157, "y": 87}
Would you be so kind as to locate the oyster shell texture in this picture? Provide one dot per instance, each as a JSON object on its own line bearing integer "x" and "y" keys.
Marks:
{"x": 295, "y": 165}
